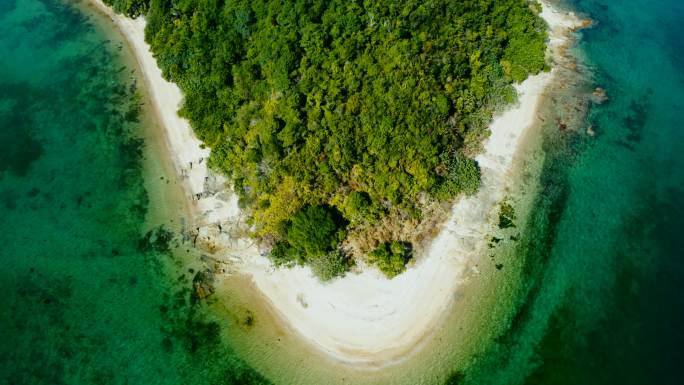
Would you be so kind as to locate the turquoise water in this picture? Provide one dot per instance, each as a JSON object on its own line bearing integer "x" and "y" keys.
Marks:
{"x": 606, "y": 253}
{"x": 87, "y": 300}
{"x": 84, "y": 301}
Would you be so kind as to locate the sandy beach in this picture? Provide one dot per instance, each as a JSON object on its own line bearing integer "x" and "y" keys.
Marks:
{"x": 364, "y": 317}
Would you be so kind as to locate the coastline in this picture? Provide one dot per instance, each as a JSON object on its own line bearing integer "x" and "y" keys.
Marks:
{"x": 363, "y": 319}
{"x": 187, "y": 152}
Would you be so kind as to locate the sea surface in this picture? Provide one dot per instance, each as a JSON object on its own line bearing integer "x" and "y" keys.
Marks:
{"x": 86, "y": 294}
{"x": 90, "y": 294}
{"x": 605, "y": 252}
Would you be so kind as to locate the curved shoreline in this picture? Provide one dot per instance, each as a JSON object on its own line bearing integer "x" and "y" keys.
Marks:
{"x": 364, "y": 318}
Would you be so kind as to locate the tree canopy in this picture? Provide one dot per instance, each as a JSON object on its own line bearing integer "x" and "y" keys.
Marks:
{"x": 132, "y": 8}
{"x": 315, "y": 230}
{"x": 360, "y": 105}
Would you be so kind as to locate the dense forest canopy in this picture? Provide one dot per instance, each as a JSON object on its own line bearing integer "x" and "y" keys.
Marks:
{"x": 359, "y": 106}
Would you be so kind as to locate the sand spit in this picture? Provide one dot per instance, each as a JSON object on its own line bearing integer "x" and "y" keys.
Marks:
{"x": 362, "y": 318}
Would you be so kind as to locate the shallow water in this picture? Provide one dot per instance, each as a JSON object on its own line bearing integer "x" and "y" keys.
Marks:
{"x": 606, "y": 255}
{"x": 85, "y": 301}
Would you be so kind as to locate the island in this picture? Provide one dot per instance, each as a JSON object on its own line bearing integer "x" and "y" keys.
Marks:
{"x": 363, "y": 149}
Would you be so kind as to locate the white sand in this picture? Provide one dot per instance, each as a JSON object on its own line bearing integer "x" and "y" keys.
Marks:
{"x": 362, "y": 318}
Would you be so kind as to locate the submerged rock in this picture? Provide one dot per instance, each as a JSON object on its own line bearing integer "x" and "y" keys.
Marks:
{"x": 599, "y": 96}
{"x": 590, "y": 131}
{"x": 203, "y": 284}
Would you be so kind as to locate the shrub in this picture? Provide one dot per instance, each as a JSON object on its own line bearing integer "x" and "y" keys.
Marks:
{"x": 462, "y": 176}
{"x": 330, "y": 265}
{"x": 391, "y": 257}
{"x": 282, "y": 254}
{"x": 132, "y": 8}
{"x": 357, "y": 205}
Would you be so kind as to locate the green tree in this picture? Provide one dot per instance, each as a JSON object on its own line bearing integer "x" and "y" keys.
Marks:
{"x": 315, "y": 231}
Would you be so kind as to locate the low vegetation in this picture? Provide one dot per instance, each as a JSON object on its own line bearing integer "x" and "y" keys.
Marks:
{"x": 330, "y": 265}
{"x": 391, "y": 258}
{"x": 132, "y": 8}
